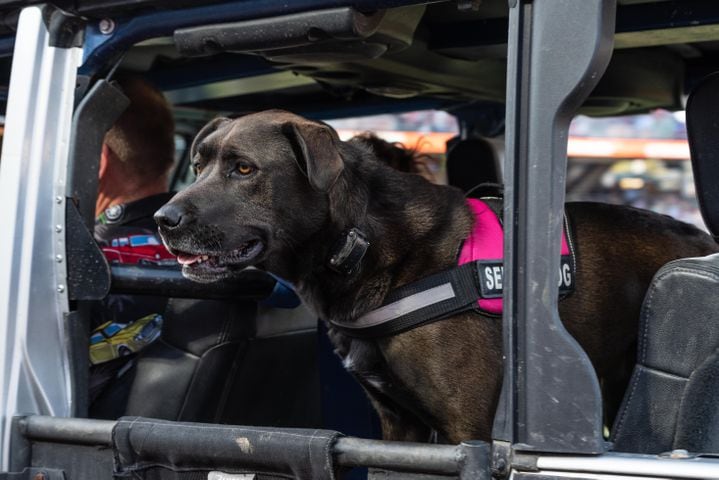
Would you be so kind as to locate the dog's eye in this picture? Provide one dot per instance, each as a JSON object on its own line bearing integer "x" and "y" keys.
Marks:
{"x": 241, "y": 170}
{"x": 245, "y": 169}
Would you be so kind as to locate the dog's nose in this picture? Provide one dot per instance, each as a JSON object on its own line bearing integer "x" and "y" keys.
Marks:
{"x": 170, "y": 216}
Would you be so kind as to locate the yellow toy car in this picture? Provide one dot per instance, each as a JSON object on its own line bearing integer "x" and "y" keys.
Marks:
{"x": 114, "y": 340}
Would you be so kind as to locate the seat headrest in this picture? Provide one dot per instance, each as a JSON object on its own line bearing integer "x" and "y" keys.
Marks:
{"x": 703, "y": 132}
{"x": 471, "y": 162}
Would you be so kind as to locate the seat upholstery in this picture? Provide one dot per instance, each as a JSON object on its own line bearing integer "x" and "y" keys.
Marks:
{"x": 702, "y": 116}
{"x": 224, "y": 362}
{"x": 671, "y": 400}
{"x": 181, "y": 376}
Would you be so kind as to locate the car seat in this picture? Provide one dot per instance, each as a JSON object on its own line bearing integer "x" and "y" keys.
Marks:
{"x": 671, "y": 400}
{"x": 180, "y": 376}
{"x": 472, "y": 162}
{"x": 243, "y": 363}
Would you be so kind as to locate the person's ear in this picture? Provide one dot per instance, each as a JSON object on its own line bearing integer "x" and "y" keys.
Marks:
{"x": 105, "y": 158}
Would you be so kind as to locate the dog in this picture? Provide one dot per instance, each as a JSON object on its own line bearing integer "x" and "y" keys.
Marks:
{"x": 276, "y": 191}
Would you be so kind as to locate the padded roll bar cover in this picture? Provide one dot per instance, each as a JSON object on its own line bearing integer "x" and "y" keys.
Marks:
{"x": 88, "y": 273}
{"x": 702, "y": 114}
{"x": 94, "y": 116}
{"x": 294, "y": 30}
{"x": 141, "y": 444}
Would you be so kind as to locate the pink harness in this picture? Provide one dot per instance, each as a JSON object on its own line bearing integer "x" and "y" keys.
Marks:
{"x": 474, "y": 284}
{"x": 486, "y": 243}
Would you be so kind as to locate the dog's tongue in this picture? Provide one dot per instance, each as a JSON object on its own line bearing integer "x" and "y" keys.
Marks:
{"x": 185, "y": 259}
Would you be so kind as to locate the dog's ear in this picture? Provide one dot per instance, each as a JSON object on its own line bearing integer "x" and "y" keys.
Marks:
{"x": 315, "y": 147}
{"x": 214, "y": 124}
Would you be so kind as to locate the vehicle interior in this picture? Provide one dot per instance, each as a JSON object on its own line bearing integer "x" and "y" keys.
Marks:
{"x": 239, "y": 353}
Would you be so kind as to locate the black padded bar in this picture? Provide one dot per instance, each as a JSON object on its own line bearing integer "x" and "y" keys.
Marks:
{"x": 303, "y": 454}
{"x": 348, "y": 451}
{"x": 249, "y": 284}
{"x": 703, "y": 133}
{"x": 88, "y": 273}
{"x": 80, "y": 431}
{"x": 94, "y": 116}
{"x": 285, "y": 31}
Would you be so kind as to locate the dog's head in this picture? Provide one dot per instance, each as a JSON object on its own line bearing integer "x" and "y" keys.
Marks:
{"x": 261, "y": 188}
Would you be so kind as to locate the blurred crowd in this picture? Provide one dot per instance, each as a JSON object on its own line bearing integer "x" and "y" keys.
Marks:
{"x": 664, "y": 186}
{"x": 657, "y": 124}
{"x": 420, "y": 121}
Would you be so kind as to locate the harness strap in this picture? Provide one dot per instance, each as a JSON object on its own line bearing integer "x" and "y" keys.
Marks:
{"x": 476, "y": 284}
{"x": 432, "y": 298}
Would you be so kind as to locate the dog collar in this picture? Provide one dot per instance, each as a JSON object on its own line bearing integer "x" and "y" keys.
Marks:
{"x": 475, "y": 284}
{"x": 348, "y": 251}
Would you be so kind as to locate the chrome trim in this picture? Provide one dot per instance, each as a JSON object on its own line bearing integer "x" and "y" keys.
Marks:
{"x": 545, "y": 474}
{"x": 35, "y": 373}
{"x": 634, "y": 465}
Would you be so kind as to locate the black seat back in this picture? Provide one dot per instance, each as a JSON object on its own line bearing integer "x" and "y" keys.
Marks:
{"x": 703, "y": 130}
{"x": 471, "y": 162}
{"x": 224, "y": 362}
{"x": 182, "y": 375}
{"x": 671, "y": 400}
{"x": 242, "y": 352}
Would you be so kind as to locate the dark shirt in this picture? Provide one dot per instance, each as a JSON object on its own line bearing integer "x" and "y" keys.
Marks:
{"x": 130, "y": 218}
{"x": 127, "y": 233}
{"x": 115, "y": 229}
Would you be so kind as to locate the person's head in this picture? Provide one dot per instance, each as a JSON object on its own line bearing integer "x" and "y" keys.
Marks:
{"x": 138, "y": 150}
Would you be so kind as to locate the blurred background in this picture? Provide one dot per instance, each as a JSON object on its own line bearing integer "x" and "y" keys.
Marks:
{"x": 639, "y": 160}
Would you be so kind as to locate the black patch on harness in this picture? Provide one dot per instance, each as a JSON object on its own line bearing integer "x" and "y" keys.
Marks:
{"x": 491, "y": 277}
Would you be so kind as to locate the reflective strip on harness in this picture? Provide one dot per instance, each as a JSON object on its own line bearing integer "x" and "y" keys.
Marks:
{"x": 454, "y": 291}
{"x": 407, "y": 305}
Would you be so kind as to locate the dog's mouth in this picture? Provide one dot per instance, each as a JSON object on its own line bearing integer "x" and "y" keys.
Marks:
{"x": 208, "y": 267}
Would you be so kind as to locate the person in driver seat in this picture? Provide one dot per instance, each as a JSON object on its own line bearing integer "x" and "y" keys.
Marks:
{"x": 137, "y": 156}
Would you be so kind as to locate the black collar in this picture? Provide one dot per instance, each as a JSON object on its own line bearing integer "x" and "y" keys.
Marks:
{"x": 348, "y": 251}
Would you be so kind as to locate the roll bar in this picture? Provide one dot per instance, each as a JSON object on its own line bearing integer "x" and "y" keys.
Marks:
{"x": 551, "y": 400}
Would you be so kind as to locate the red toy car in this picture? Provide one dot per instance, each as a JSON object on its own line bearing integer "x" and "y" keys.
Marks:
{"x": 138, "y": 249}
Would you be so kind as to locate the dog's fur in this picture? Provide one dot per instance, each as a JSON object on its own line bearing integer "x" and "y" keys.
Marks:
{"x": 305, "y": 187}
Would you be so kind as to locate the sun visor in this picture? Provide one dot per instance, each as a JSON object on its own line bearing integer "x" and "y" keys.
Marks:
{"x": 298, "y": 30}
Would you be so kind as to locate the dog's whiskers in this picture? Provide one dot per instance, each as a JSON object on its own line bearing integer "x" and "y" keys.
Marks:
{"x": 288, "y": 241}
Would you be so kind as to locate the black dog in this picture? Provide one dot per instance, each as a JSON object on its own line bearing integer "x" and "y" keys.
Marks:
{"x": 277, "y": 191}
